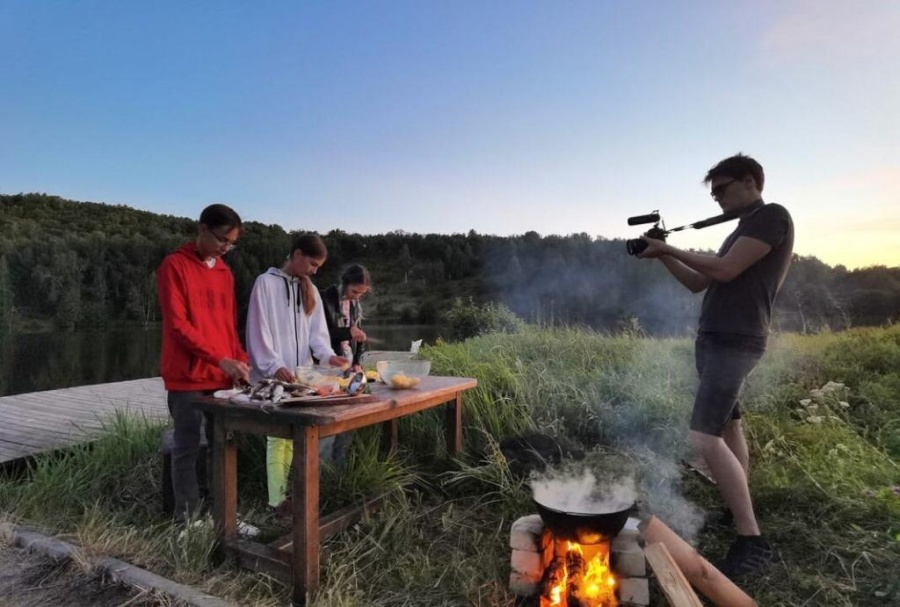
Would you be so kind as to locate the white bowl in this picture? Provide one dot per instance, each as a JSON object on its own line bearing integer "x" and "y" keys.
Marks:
{"x": 410, "y": 368}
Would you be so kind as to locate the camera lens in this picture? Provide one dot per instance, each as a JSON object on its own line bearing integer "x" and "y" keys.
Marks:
{"x": 635, "y": 246}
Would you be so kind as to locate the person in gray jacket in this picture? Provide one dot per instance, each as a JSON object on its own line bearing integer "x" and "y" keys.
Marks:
{"x": 285, "y": 328}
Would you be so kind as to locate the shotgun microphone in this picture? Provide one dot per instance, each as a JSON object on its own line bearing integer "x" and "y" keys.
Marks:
{"x": 640, "y": 219}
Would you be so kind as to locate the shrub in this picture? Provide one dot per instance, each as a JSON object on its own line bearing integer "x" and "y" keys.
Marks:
{"x": 468, "y": 319}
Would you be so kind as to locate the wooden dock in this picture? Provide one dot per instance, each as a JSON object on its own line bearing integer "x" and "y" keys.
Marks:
{"x": 39, "y": 422}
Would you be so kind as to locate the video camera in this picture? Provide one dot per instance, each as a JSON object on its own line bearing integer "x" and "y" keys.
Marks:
{"x": 636, "y": 246}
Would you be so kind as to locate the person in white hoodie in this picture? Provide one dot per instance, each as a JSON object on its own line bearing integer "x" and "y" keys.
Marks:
{"x": 285, "y": 328}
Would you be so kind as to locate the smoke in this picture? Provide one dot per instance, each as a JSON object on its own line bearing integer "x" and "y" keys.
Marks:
{"x": 660, "y": 481}
{"x": 576, "y": 280}
{"x": 584, "y": 494}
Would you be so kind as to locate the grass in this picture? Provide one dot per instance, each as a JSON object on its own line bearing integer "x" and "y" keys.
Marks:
{"x": 825, "y": 474}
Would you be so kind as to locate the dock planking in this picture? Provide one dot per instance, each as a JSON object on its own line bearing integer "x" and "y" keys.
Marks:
{"x": 40, "y": 422}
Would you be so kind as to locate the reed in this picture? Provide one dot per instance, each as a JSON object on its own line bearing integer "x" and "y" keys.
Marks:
{"x": 825, "y": 477}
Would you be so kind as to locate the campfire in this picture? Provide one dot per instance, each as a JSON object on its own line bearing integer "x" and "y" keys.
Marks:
{"x": 579, "y": 551}
{"x": 581, "y": 577}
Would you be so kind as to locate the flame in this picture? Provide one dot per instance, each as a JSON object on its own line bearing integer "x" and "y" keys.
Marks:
{"x": 597, "y": 588}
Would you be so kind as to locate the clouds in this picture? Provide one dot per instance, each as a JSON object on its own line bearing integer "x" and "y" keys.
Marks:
{"x": 833, "y": 32}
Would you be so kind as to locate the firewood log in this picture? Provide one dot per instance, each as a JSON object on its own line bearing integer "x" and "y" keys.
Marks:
{"x": 575, "y": 571}
{"x": 708, "y": 580}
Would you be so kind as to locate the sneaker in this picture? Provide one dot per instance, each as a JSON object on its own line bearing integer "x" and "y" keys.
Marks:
{"x": 203, "y": 524}
{"x": 247, "y": 530}
{"x": 748, "y": 554}
{"x": 284, "y": 512}
{"x": 206, "y": 524}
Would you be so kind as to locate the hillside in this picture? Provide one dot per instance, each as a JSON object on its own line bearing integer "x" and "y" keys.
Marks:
{"x": 79, "y": 264}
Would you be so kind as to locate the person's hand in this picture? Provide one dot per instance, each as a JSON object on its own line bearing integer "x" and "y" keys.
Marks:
{"x": 357, "y": 334}
{"x": 238, "y": 371}
{"x": 284, "y": 375}
{"x": 339, "y": 361}
{"x": 655, "y": 248}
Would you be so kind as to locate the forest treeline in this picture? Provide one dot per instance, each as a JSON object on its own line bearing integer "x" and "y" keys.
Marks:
{"x": 81, "y": 264}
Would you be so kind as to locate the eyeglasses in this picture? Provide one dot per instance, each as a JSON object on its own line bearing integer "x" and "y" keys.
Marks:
{"x": 224, "y": 241}
{"x": 719, "y": 190}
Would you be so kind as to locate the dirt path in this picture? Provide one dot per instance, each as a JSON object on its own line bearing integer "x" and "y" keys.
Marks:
{"x": 28, "y": 579}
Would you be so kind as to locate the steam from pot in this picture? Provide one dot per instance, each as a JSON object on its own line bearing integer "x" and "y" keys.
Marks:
{"x": 584, "y": 494}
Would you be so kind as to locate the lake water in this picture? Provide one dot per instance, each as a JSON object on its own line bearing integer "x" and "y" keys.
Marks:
{"x": 30, "y": 362}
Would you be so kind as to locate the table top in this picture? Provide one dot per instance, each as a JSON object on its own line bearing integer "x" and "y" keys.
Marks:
{"x": 432, "y": 390}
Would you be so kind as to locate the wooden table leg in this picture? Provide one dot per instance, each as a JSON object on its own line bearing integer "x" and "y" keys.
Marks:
{"x": 305, "y": 533}
{"x": 224, "y": 481}
{"x": 389, "y": 434}
{"x": 454, "y": 425}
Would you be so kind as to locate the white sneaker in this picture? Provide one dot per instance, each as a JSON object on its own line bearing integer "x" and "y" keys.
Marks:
{"x": 246, "y": 529}
{"x": 201, "y": 524}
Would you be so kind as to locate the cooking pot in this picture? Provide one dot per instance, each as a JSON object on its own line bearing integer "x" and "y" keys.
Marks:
{"x": 584, "y": 527}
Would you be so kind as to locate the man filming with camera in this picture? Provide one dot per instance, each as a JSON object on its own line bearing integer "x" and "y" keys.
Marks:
{"x": 741, "y": 282}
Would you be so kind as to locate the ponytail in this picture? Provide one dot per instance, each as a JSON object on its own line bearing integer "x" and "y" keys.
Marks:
{"x": 310, "y": 245}
{"x": 307, "y": 295}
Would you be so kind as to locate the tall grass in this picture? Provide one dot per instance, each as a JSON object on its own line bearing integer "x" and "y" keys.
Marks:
{"x": 825, "y": 474}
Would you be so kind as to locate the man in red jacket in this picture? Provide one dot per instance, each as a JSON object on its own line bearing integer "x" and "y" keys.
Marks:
{"x": 201, "y": 351}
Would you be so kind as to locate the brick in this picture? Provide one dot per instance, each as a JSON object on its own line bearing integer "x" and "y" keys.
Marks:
{"x": 526, "y": 534}
{"x": 523, "y": 585}
{"x": 526, "y": 563}
{"x": 626, "y": 540}
{"x": 634, "y": 591}
{"x": 629, "y": 563}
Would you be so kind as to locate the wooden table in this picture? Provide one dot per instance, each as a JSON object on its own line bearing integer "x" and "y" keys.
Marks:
{"x": 295, "y": 558}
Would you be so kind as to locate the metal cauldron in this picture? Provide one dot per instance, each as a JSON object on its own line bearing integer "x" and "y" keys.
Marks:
{"x": 584, "y": 527}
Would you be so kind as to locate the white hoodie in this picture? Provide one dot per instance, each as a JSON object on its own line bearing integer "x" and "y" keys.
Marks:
{"x": 279, "y": 333}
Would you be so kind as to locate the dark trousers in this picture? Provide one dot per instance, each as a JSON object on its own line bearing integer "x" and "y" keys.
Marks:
{"x": 185, "y": 451}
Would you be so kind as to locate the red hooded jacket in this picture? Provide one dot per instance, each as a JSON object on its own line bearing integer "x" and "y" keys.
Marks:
{"x": 199, "y": 321}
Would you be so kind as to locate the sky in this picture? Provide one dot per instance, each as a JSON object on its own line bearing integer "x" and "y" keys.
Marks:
{"x": 445, "y": 116}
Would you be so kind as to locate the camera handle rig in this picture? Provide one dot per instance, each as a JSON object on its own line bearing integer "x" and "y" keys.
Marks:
{"x": 636, "y": 246}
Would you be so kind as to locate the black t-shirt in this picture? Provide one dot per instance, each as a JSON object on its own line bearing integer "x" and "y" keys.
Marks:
{"x": 744, "y": 305}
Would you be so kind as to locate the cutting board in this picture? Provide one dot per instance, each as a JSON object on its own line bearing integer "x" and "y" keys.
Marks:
{"x": 340, "y": 399}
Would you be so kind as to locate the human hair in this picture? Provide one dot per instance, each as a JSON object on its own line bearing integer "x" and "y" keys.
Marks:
{"x": 311, "y": 245}
{"x": 737, "y": 167}
{"x": 220, "y": 215}
{"x": 355, "y": 274}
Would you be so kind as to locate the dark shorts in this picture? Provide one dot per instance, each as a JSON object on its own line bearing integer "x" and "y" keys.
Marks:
{"x": 724, "y": 360}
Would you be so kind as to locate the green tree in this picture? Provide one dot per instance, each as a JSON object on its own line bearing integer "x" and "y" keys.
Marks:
{"x": 7, "y": 303}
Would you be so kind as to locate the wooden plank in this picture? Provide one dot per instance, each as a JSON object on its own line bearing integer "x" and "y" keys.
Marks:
{"x": 257, "y": 427}
{"x": 318, "y": 401}
{"x": 390, "y": 435}
{"x": 709, "y": 581}
{"x": 224, "y": 482}
{"x": 74, "y": 403}
{"x": 67, "y": 406}
{"x": 38, "y": 422}
{"x": 59, "y": 426}
{"x": 672, "y": 581}
{"x": 38, "y": 419}
{"x": 336, "y": 521}
{"x": 305, "y": 532}
{"x": 262, "y": 558}
{"x": 454, "y": 425}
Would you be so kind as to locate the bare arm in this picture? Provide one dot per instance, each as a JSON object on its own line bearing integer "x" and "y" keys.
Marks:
{"x": 696, "y": 270}
{"x": 694, "y": 281}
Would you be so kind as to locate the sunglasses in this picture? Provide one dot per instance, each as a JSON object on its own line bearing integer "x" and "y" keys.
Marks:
{"x": 719, "y": 190}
